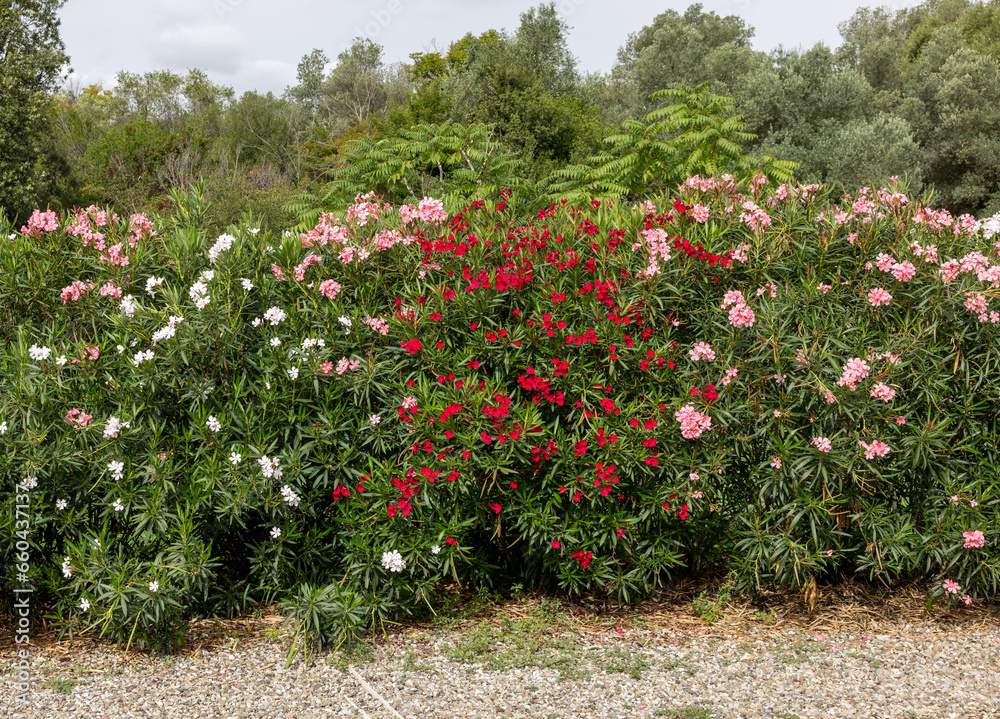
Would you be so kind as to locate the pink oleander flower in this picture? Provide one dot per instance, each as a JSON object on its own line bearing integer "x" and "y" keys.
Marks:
{"x": 702, "y": 350}
{"x": 949, "y": 270}
{"x": 408, "y": 213}
{"x": 884, "y": 262}
{"x": 111, "y": 289}
{"x": 345, "y": 364}
{"x": 901, "y": 420}
{"x": 115, "y": 256}
{"x": 824, "y": 288}
{"x": 740, "y": 253}
{"x": 40, "y": 222}
{"x": 879, "y": 297}
{"x": 822, "y": 444}
{"x": 883, "y": 392}
{"x": 658, "y": 247}
{"x": 967, "y": 600}
{"x": 329, "y": 288}
{"x": 299, "y": 273}
{"x": 855, "y": 370}
{"x": 974, "y": 539}
{"x": 754, "y": 216}
{"x": 700, "y": 213}
{"x": 389, "y": 238}
{"x": 952, "y": 587}
{"x": 731, "y": 374}
{"x": 976, "y": 303}
{"x": 365, "y": 208}
{"x": 431, "y": 210}
{"x": 776, "y": 462}
{"x": 904, "y": 271}
{"x": 78, "y": 417}
{"x": 378, "y": 324}
{"x": 875, "y": 449}
{"x": 326, "y": 232}
{"x": 733, "y": 297}
{"x": 74, "y": 291}
{"x": 742, "y": 316}
{"x": 693, "y": 423}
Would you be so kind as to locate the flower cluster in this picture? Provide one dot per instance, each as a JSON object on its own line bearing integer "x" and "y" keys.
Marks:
{"x": 693, "y": 423}
{"x": 393, "y": 561}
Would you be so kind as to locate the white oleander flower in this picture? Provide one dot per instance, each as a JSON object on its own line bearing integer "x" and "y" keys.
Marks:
{"x": 221, "y": 245}
{"x": 275, "y": 315}
{"x": 128, "y": 307}
{"x": 114, "y": 427}
{"x": 393, "y": 561}
{"x": 289, "y": 496}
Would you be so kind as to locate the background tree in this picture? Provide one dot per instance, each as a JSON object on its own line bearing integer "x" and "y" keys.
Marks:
{"x": 32, "y": 57}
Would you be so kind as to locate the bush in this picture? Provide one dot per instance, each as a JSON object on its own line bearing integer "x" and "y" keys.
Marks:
{"x": 580, "y": 398}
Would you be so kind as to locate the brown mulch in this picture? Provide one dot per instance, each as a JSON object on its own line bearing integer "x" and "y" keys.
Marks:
{"x": 849, "y": 606}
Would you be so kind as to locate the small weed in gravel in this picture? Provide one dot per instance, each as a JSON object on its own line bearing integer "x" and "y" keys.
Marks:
{"x": 411, "y": 664}
{"x": 538, "y": 639}
{"x": 62, "y": 685}
{"x": 342, "y": 659}
{"x": 453, "y": 611}
{"x": 622, "y": 662}
{"x": 685, "y": 713}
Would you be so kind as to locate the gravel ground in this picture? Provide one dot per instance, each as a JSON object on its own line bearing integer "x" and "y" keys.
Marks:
{"x": 535, "y": 662}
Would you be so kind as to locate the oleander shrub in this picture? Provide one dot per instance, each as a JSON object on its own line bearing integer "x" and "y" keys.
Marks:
{"x": 594, "y": 398}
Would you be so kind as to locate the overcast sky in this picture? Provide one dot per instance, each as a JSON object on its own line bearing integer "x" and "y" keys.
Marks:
{"x": 257, "y": 44}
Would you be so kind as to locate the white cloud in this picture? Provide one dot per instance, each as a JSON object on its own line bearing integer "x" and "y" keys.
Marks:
{"x": 264, "y": 75}
{"x": 214, "y": 48}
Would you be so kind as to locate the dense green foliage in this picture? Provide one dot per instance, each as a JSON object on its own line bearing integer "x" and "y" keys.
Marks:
{"x": 583, "y": 398}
